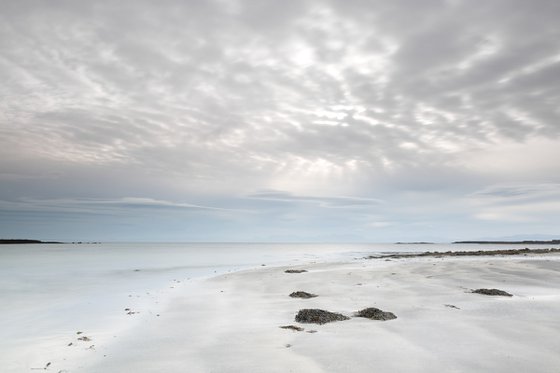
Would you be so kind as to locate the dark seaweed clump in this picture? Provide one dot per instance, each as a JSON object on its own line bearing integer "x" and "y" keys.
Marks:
{"x": 492, "y": 292}
{"x": 375, "y": 314}
{"x": 317, "y": 316}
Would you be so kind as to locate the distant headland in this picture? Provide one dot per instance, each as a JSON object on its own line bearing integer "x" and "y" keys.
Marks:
{"x": 25, "y": 241}
{"x": 18, "y": 241}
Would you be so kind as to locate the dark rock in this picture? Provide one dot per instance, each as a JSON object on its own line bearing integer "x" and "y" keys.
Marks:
{"x": 295, "y": 271}
{"x": 317, "y": 316}
{"x": 492, "y": 292}
{"x": 375, "y": 314}
{"x": 293, "y": 327}
{"x": 302, "y": 294}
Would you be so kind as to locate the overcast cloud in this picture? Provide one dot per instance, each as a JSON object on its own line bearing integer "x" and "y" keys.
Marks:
{"x": 291, "y": 120}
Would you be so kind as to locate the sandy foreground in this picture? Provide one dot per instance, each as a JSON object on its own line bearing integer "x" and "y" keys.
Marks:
{"x": 231, "y": 323}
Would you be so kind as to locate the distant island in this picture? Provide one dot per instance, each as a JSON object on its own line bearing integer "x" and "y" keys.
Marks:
{"x": 550, "y": 242}
{"x": 414, "y": 243}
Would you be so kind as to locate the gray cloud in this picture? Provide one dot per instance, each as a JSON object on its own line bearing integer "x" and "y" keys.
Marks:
{"x": 210, "y": 101}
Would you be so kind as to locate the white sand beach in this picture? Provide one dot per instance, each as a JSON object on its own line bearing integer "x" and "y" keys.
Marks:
{"x": 231, "y": 323}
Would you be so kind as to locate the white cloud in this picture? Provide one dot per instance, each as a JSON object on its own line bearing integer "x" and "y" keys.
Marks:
{"x": 322, "y": 201}
{"x": 91, "y": 205}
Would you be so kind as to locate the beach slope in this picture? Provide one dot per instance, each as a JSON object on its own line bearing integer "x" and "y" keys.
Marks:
{"x": 232, "y": 323}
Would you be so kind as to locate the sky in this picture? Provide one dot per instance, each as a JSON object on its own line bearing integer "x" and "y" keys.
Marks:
{"x": 284, "y": 120}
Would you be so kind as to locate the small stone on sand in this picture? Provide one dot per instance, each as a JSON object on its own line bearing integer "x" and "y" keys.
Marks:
{"x": 293, "y": 327}
{"x": 302, "y": 294}
{"x": 295, "y": 271}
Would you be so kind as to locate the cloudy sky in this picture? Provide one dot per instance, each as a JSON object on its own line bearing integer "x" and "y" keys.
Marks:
{"x": 291, "y": 120}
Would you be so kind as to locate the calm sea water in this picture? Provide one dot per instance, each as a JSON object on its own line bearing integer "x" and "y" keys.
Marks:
{"x": 62, "y": 274}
